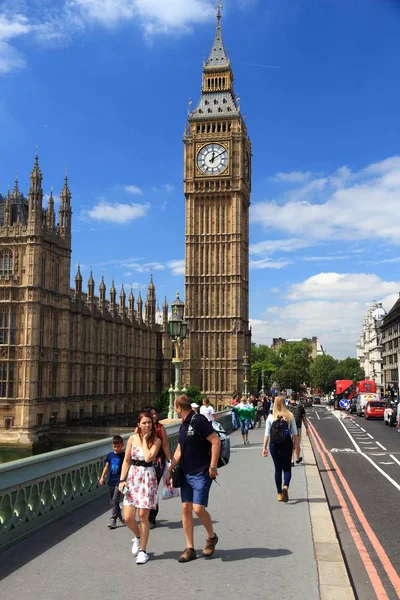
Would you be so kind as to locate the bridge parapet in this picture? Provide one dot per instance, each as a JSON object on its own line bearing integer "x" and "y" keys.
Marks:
{"x": 41, "y": 489}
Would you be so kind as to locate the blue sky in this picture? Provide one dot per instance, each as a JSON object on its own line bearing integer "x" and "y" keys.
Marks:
{"x": 102, "y": 87}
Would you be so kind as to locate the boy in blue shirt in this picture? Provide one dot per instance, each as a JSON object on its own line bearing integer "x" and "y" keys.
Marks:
{"x": 113, "y": 465}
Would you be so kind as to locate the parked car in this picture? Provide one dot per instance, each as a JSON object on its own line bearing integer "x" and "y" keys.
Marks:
{"x": 375, "y": 409}
{"x": 390, "y": 414}
{"x": 317, "y": 400}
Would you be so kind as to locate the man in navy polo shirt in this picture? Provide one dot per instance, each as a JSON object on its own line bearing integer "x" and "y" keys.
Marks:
{"x": 198, "y": 452}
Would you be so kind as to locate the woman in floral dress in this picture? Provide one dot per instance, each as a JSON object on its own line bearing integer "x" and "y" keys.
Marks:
{"x": 138, "y": 477}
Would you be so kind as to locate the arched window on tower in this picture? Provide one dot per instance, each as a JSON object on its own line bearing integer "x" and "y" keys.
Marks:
{"x": 6, "y": 263}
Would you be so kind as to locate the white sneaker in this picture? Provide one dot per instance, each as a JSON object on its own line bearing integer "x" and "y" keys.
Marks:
{"x": 135, "y": 545}
{"x": 142, "y": 558}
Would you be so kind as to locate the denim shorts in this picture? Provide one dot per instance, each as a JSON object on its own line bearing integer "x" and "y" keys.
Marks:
{"x": 196, "y": 488}
{"x": 244, "y": 426}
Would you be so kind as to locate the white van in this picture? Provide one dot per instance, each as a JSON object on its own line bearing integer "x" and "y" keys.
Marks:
{"x": 362, "y": 400}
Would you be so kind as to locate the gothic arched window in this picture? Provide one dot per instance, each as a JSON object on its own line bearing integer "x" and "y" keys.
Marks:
{"x": 6, "y": 263}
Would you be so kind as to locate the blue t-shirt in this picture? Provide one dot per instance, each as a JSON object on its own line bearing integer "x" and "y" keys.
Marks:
{"x": 115, "y": 461}
{"x": 195, "y": 448}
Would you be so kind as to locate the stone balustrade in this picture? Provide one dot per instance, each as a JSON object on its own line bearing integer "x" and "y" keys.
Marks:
{"x": 41, "y": 489}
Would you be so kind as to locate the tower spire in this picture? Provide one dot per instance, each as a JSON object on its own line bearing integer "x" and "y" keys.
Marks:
{"x": 218, "y": 56}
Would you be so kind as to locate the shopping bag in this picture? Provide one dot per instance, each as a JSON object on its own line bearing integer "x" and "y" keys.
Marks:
{"x": 167, "y": 491}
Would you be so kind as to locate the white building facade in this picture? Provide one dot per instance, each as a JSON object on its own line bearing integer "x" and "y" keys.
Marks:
{"x": 369, "y": 346}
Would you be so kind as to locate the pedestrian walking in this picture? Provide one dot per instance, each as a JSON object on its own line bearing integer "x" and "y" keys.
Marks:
{"x": 245, "y": 412}
{"x": 195, "y": 407}
{"x": 207, "y": 410}
{"x": 259, "y": 413}
{"x": 197, "y": 454}
{"x": 112, "y": 467}
{"x": 139, "y": 482}
{"x": 164, "y": 456}
{"x": 266, "y": 407}
{"x": 299, "y": 412}
{"x": 281, "y": 432}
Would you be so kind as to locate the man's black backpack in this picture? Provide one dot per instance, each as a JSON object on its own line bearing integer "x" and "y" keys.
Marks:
{"x": 225, "y": 452}
{"x": 280, "y": 432}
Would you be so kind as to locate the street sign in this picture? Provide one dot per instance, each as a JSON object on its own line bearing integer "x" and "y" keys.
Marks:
{"x": 344, "y": 404}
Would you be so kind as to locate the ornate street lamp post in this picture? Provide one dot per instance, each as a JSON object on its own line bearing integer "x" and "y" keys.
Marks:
{"x": 262, "y": 391}
{"x": 245, "y": 366}
{"x": 177, "y": 329}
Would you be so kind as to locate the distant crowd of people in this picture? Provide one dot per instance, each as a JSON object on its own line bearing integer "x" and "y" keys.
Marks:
{"x": 134, "y": 473}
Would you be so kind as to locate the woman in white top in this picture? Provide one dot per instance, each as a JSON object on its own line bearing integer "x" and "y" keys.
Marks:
{"x": 281, "y": 432}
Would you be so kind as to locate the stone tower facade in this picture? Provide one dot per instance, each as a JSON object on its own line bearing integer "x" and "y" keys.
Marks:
{"x": 217, "y": 180}
{"x": 67, "y": 355}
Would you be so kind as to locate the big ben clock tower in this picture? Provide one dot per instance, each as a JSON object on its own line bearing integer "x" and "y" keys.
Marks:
{"x": 217, "y": 179}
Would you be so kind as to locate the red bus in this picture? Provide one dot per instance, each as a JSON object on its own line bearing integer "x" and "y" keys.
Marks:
{"x": 345, "y": 390}
{"x": 366, "y": 387}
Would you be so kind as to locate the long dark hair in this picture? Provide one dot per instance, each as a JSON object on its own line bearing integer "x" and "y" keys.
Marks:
{"x": 152, "y": 437}
{"x": 149, "y": 408}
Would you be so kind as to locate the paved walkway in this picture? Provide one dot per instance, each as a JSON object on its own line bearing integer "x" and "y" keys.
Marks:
{"x": 266, "y": 548}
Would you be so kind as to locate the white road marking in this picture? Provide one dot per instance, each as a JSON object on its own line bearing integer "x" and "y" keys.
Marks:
{"x": 395, "y": 459}
{"x": 380, "y": 445}
{"x": 318, "y": 417}
{"x": 369, "y": 459}
{"x": 362, "y": 429}
{"x": 365, "y": 442}
{"x": 386, "y": 463}
{"x": 369, "y": 435}
{"x": 378, "y": 454}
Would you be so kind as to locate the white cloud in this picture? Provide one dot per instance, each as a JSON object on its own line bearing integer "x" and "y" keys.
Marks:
{"x": 50, "y": 23}
{"x": 292, "y": 177}
{"x": 169, "y": 187}
{"x": 177, "y": 266}
{"x": 266, "y": 263}
{"x": 279, "y": 245}
{"x": 116, "y": 213}
{"x": 354, "y": 286}
{"x": 155, "y": 15}
{"x": 345, "y": 205}
{"x": 11, "y": 27}
{"x": 331, "y": 306}
{"x": 332, "y": 257}
{"x": 133, "y": 189}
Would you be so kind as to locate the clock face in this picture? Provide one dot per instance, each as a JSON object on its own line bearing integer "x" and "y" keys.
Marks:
{"x": 212, "y": 159}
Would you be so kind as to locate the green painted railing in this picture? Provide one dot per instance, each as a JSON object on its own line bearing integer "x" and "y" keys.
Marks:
{"x": 41, "y": 489}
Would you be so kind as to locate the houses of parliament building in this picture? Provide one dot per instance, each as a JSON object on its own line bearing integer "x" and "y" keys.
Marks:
{"x": 69, "y": 354}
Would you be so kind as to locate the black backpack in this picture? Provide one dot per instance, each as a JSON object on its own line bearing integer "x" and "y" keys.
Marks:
{"x": 280, "y": 432}
{"x": 225, "y": 452}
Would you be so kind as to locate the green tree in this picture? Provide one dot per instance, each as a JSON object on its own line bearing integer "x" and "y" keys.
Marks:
{"x": 291, "y": 376}
{"x": 263, "y": 357}
{"x": 162, "y": 403}
{"x": 323, "y": 371}
{"x": 295, "y": 369}
{"x": 349, "y": 368}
